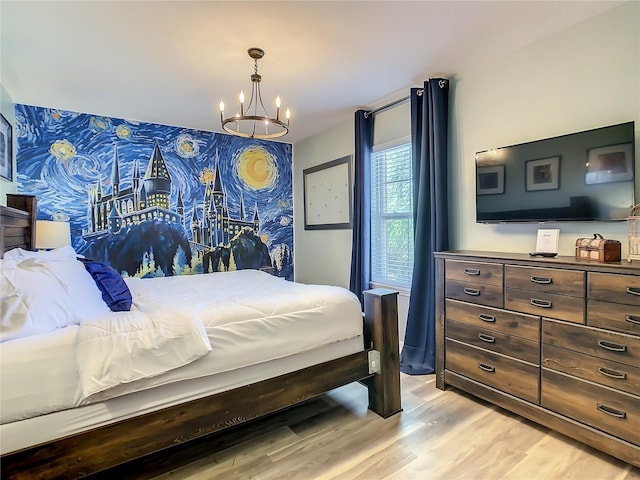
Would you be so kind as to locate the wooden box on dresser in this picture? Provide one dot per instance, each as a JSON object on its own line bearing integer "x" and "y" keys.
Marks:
{"x": 556, "y": 340}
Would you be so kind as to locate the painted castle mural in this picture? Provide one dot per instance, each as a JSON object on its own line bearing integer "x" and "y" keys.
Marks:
{"x": 155, "y": 200}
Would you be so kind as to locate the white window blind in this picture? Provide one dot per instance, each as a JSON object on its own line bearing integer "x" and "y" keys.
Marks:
{"x": 392, "y": 216}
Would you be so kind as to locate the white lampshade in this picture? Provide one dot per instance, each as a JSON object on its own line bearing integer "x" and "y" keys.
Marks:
{"x": 52, "y": 234}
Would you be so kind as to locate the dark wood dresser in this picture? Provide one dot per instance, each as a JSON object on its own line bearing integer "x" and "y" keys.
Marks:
{"x": 555, "y": 340}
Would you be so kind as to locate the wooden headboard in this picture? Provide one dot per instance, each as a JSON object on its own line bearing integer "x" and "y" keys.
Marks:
{"x": 18, "y": 223}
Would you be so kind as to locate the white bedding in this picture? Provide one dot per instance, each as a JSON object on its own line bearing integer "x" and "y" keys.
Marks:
{"x": 43, "y": 428}
{"x": 121, "y": 347}
{"x": 249, "y": 317}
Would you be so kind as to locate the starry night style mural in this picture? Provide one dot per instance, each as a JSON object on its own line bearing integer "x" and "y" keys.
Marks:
{"x": 154, "y": 200}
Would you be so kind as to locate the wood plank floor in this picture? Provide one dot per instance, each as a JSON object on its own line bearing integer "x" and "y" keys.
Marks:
{"x": 439, "y": 435}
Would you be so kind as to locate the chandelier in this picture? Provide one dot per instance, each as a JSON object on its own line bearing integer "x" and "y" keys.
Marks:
{"x": 254, "y": 121}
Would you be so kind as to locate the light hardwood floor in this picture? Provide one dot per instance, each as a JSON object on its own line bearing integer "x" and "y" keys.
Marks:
{"x": 439, "y": 435}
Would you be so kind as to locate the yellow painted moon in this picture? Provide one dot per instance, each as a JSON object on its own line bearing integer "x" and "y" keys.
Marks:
{"x": 257, "y": 168}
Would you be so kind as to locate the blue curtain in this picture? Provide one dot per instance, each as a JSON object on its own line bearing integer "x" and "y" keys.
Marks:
{"x": 429, "y": 117}
{"x": 361, "y": 241}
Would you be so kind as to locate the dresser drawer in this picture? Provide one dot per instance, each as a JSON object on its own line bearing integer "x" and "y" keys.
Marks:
{"x": 609, "y": 410}
{"x": 482, "y": 294}
{"x": 549, "y": 305}
{"x": 606, "y": 372}
{"x": 525, "y": 326}
{"x": 614, "y": 288}
{"x": 477, "y": 272}
{"x": 547, "y": 280}
{"x": 613, "y": 316}
{"x": 617, "y": 347}
{"x": 504, "y": 373}
{"x": 499, "y": 342}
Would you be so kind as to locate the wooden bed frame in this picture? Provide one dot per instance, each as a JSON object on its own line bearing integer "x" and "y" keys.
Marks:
{"x": 113, "y": 445}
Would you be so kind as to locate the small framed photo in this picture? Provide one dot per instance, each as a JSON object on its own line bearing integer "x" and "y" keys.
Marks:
{"x": 609, "y": 164}
{"x": 542, "y": 174}
{"x": 6, "y": 149}
{"x": 490, "y": 180}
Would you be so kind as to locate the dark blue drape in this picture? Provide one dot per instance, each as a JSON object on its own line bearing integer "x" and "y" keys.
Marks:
{"x": 361, "y": 242}
{"x": 429, "y": 117}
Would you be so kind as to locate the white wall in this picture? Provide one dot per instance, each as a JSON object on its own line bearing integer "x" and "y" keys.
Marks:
{"x": 8, "y": 110}
{"x": 585, "y": 77}
{"x": 320, "y": 256}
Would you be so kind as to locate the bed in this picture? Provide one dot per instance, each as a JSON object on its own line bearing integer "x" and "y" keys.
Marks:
{"x": 93, "y": 429}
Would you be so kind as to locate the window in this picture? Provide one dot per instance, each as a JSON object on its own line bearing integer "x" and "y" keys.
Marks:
{"x": 392, "y": 216}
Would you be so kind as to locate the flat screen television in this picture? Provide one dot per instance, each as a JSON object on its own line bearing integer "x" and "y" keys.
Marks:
{"x": 588, "y": 176}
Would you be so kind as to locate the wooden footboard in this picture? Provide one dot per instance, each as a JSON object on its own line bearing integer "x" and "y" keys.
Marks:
{"x": 106, "y": 447}
{"x": 381, "y": 323}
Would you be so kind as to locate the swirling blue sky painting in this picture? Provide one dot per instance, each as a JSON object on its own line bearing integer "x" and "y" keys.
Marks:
{"x": 157, "y": 200}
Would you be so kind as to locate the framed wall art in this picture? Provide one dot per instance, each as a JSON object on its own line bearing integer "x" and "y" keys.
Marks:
{"x": 327, "y": 195}
{"x": 6, "y": 149}
{"x": 542, "y": 174}
{"x": 609, "y": 164}
{"x": 490, "y": 180}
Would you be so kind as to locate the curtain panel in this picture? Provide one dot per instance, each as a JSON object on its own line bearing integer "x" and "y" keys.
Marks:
{"x": 429, "y": 134}
{"x": 361, "y": 233}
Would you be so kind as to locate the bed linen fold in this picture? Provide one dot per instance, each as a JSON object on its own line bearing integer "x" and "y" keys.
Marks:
{"x": 121, "y": 347}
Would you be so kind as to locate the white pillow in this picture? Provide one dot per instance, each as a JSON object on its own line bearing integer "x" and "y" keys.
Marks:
{"x": 17, "y": 255}
{"x": 40, "y": 295}
{"x": 32, "y": 303}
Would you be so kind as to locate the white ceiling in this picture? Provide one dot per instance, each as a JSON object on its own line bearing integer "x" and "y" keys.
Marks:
{"x": 170, "y": 62}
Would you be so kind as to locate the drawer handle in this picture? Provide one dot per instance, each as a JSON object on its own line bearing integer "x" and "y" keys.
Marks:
{"x": 487, "y": 318}
{"x": 633, "y": 291}
{"x": 542, "y": 280}
{"x": 632, "y": 319}
{"x": 486, "y": 338}
{"x": 486, "y": 368}
{"x": 612, "y": 373}
{"x": 472, "y": 291}
{"x": 612, "y": 347}
{"x": 612, "y": 411}
{"x": 472, "y": 271}
{"x": 541, "y": 303}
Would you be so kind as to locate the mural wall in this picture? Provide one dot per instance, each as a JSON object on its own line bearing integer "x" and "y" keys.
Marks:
{"x": 156, "y": 200}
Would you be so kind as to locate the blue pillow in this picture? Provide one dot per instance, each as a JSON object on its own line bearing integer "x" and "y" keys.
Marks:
{"x": 115, "y": 291}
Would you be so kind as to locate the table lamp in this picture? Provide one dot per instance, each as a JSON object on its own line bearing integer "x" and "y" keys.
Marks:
{"x": 50, "y": 234}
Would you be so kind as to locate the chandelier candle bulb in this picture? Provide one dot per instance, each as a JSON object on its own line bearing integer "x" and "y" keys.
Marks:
{"x": 221, "y": 105}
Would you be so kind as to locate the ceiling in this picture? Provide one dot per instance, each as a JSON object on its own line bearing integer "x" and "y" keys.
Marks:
{"x": 171, "y": 62}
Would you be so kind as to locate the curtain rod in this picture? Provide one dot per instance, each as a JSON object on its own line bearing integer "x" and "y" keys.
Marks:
{"x": 392, "y": 104}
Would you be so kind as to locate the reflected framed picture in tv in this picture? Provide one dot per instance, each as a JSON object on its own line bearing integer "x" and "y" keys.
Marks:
{"x": 542, "y": 174}
{"x": 490, "y": 180}
{"x": 609, "y": 164}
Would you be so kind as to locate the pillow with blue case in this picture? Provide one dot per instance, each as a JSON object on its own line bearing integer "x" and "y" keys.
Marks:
{"x": 115, "y": 292}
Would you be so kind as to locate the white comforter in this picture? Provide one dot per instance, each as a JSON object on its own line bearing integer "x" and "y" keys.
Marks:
{"x": 248, "y": 317}
{"x": 120, "y": 347}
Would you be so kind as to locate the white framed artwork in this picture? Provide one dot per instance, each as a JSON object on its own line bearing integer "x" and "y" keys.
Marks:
{"x": 327, "y": 195}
